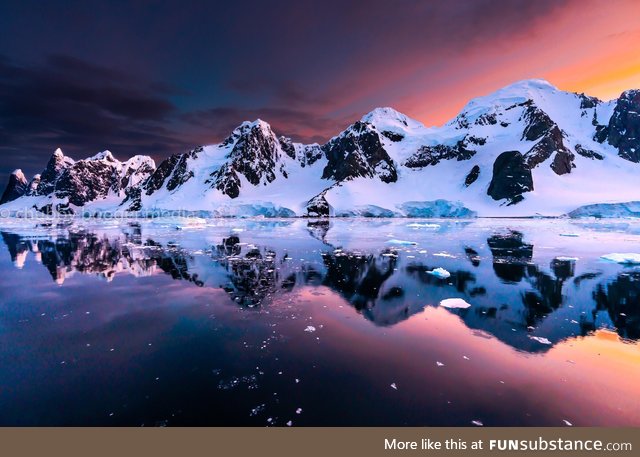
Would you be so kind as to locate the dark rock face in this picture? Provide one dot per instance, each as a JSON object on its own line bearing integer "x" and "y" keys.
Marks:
{"x": 86, "y": 180}
{"x": 432, "y": 155}
{"x": 539, "y": 126}
{"x": 164, "y": 170}
{"x": 395, "y": 137}
{"x": 310, "y": 155}
{"x": 587, "y": 102}
{"x": 256, "y": 155}
{"x": 318, "y": 206}
{"x": 16, "y": 187}
{"x": 54, "y": 169}
{"x": 538, "y": 123}
{"x": 563, "y": 162}
{"x": 623, "y": 131}
{"x": 551, "y": 142}
{"x": 472, "y": 176}
{"x": 358, "y": 152}
{"x": 588, "y": 153}
{"x": 180, "y": 173}
{"x": 511, "y": 177}
{"x": 287, "y": 146}
{"x": 226, "y": 181}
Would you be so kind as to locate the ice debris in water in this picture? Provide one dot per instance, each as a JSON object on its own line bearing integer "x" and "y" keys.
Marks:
{"x": 440, "y": 364}
{"x": 567, "y": 423}
{"x": 299, "y": 411}
{"x": 440, "y": 273}
{"x": 573, "y": 235}
{"x": 289, "y": 424}
{"x": 477, "y": 422}
{"x": 402, "y": 242}
{"x": 454, "y": 303}
{"x": 393, "y": 386}
{"x": 626, "y": 258}
{"x": 418, "y": 225}
{"x": 567, "y": 259}
{"x": 540, "y": 339}
{"x": 310, "y": 329}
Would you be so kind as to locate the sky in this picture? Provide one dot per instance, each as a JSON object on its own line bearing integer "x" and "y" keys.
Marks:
{"x": 160, "y": 77}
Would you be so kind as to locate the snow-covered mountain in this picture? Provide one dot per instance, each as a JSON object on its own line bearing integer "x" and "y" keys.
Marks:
{"x": 527, "y": 149}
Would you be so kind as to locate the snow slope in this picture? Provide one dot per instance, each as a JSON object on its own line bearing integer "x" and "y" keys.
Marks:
{"x": 528, "y": 149}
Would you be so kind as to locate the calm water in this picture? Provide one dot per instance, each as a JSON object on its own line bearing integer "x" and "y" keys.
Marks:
{"x": 304, "y": 322}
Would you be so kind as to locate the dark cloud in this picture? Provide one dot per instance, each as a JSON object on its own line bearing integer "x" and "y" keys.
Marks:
{"x": 83, "y": 108}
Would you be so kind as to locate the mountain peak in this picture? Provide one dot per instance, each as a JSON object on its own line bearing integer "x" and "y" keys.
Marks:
{"x": 104, "y": 155}
{"x": 19, "y": 175}
{"x": 536, "y": 84}
{"x": 387, "y": 118}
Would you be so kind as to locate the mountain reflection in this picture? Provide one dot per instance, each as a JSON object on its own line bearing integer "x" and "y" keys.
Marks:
{"x": 513, "y": 297}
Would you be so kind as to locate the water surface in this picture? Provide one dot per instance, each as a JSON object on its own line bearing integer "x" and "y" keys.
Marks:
{"x": 304, "y": 322}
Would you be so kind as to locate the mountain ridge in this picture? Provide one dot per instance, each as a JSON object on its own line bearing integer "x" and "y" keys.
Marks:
{"x": 527, "y": 149}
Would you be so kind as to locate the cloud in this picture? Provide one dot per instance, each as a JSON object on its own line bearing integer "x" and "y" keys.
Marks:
{"x": 83, "y": 108}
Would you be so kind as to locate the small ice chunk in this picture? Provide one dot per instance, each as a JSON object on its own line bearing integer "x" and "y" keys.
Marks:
{"x": 567, "y": 423}
{"x": 573, "y": 235}
{"x": 289, "y": 424}
{"x": 299, "y": 411}
{"x": 540, "y": 339}
{"x": 393, "y": 386}
{"x": 440, "y": 273}
{"x": 626, "y": 258}
{"x": 418, "y": 225}
{"x": 440, "y": 364}
{"x": 477, "y": 422}
{"x": 454, "y": 303}
{"x": 310, "y": 329}
{"x": 402, "y": 242}
{"x": 567, "y": 259}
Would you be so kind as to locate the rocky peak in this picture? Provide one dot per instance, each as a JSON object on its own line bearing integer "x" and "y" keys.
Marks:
{"x": 16, "y": 187}
{"x": 54, "y": 169}
{"x": 257, "y": 154}
{"x": 105, "y": 156}
{"x": 623, "y": 131}
{"x": 358, "y": 152}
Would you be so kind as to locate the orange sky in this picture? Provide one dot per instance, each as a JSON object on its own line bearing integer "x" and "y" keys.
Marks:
{"x": 595, "y": 50}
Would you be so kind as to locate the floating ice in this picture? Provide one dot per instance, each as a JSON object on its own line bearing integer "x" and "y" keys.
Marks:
{"x": 310, "y": 329}
{"x": 440, "y": 273}
{"x": 402, "y": 242}
{"x": 393, "y": 386}
{"x": 440, "y": 364}
{"x": 454, "y": 303}
{"x": 567, "y": 423}
{"x": 567, "y": 259}
{"x": 572, "y": 235}
{"x": 477, "y": 422}
{"x": 418, "y": 225}
{"x": 540, "y": 339}
{"x": 627, "y": 258}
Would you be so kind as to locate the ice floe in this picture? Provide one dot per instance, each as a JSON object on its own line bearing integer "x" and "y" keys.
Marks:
{"x": 454, "y": 303}
{"x": 626, "y": 258}
{"x": 440, "y": 273}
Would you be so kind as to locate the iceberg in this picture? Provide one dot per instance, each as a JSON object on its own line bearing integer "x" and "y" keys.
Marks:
{"x": 628, "y": 258}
